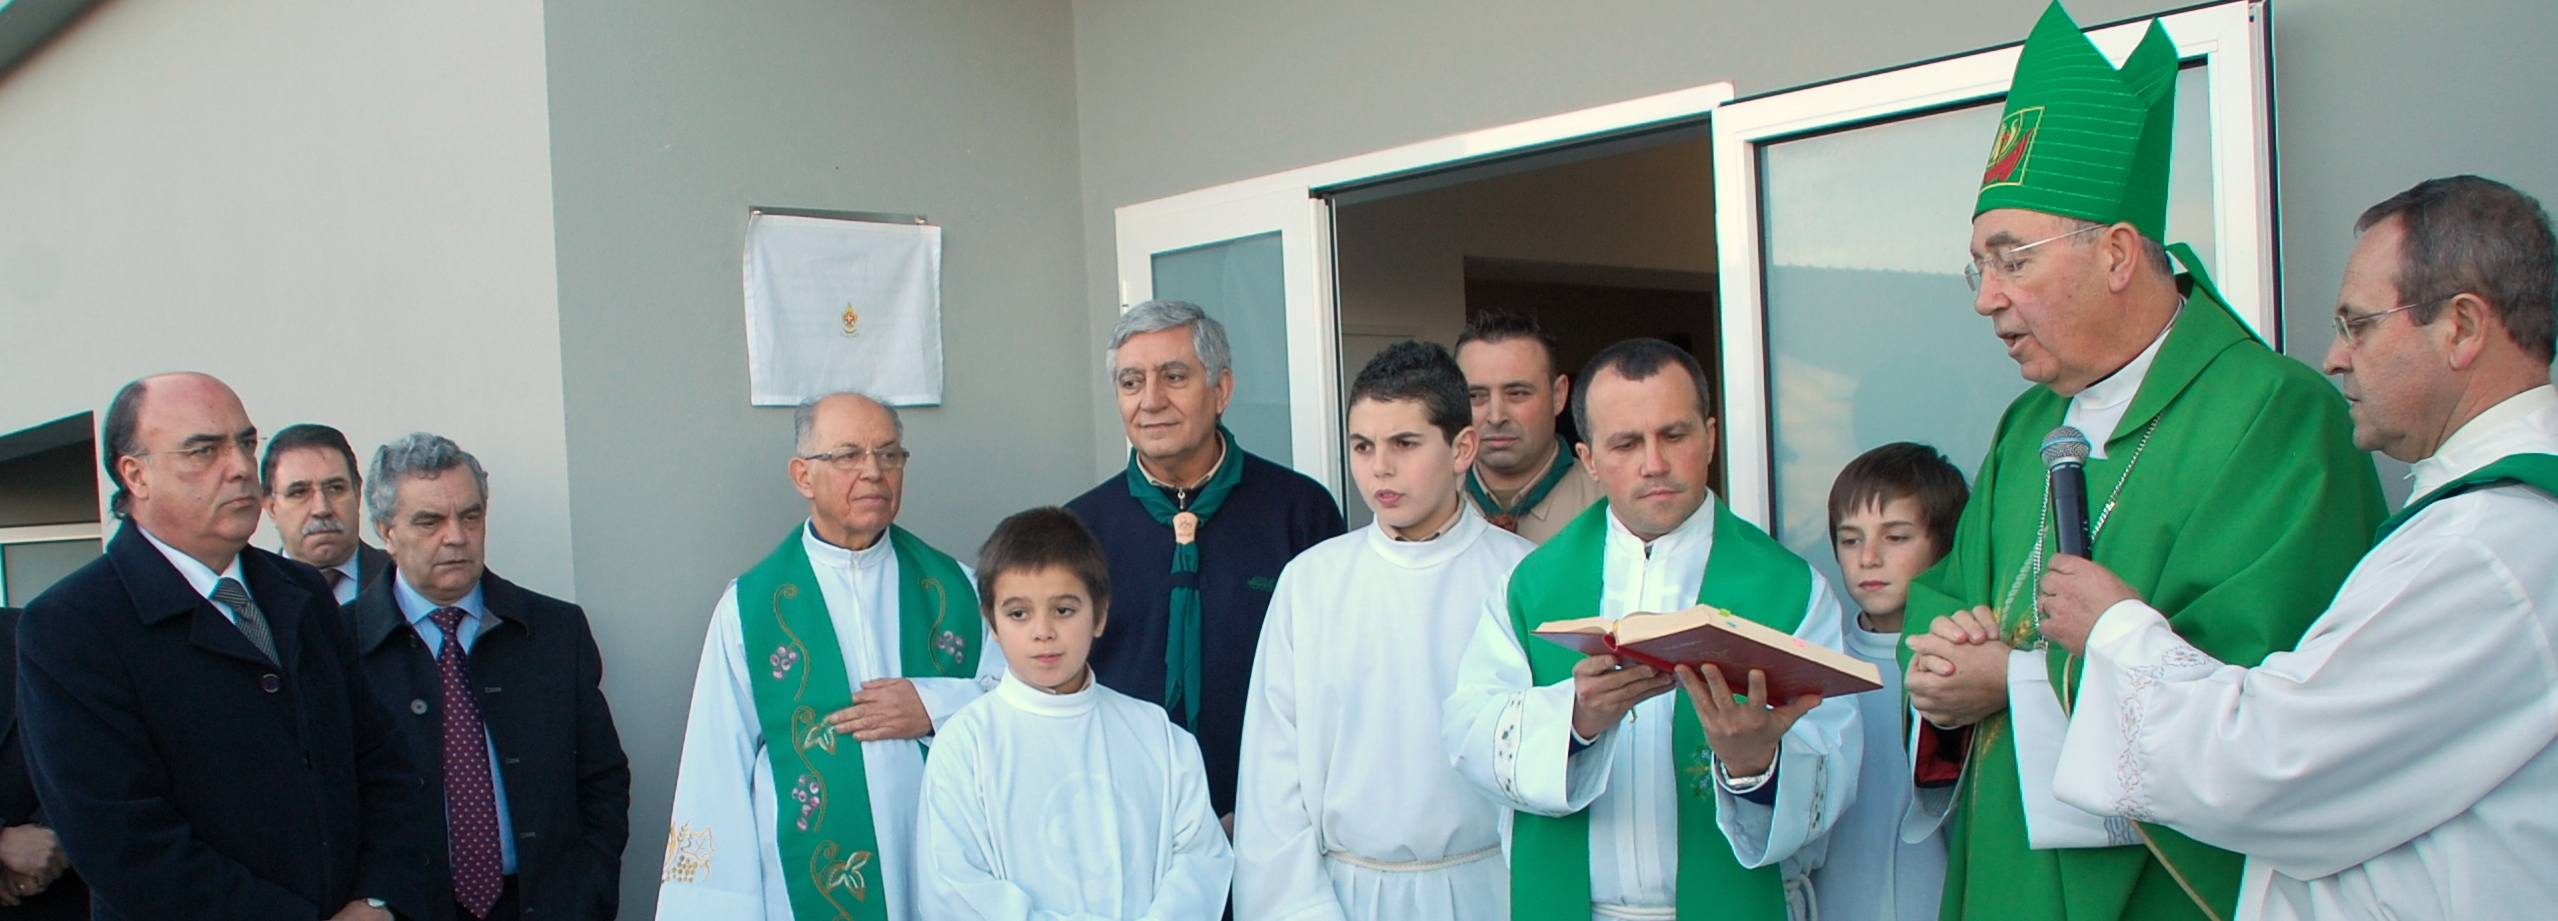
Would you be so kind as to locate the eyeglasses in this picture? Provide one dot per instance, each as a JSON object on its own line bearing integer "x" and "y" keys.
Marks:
{"x": 2003, "y": 263}
{"x": 2350, "y": 328}
{"x": 204, "y": 450}
{"x": 850, "y": 459}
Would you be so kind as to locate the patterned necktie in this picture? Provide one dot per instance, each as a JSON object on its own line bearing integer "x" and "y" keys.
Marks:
{"x": 251, "y": 621}
{"x": 470, "y": 795}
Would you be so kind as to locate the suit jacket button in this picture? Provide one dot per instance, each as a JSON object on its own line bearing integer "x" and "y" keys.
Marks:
{"x": 270, "y": 683}
{"x": 418, "y": 706}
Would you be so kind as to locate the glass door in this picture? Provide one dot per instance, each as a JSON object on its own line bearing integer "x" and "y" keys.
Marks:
{"x": 1845, "y": 217}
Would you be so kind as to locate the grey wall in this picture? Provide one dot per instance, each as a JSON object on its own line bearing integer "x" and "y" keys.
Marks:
{"x": 670, "y": 118}
{"x": 2373, "y": 95}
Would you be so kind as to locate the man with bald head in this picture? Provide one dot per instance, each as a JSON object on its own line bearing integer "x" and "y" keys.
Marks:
{"x": 828, "y": 667}
{"x": 197, "y": 725}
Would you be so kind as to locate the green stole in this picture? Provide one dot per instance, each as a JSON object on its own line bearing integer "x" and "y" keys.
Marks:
{"x": 2536, "y": 470}
{"x": 803, "y": 679}
{"x": 1507, "y": 519}
{"x": 1181, "y": 634}
{"x": 1747, "y": 573}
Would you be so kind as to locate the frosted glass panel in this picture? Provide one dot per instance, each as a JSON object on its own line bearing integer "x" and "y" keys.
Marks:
{"x": 1238, "y": 283}
{"x": 29, "y": 569}
{"x": 1871, "y": 334}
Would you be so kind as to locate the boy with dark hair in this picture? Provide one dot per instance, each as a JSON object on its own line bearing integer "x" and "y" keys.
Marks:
{"x": 1055, "y": 796}
{"x": 1892, "y": 514}
{"x": 1348, "y": 805}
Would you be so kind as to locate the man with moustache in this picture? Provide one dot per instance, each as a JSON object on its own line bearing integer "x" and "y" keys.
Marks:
{"x": 201, "y": 734}
{"x": 1197, "y": 530}
{"x": 828, "y": 666}
{"x": 500, "y": 691}
{"x": 312, "y": 493}
{"x": 1523, "y": 479}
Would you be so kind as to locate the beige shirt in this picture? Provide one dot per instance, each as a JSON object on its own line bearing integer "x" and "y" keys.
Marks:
{"x": 1577, "y": 491}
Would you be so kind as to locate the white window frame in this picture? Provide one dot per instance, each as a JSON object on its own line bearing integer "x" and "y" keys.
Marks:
{"x": 1285, "y": 202}
{"x": 2229, "y": 37}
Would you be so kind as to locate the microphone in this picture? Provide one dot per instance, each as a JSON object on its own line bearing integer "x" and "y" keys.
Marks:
{"x": 2065, "y": 453}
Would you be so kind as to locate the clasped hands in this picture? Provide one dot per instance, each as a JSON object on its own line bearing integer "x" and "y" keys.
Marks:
{"x": 1958, "y": 668}
{"x": 30, "y": 860}
{"x": 1744, "y": 733}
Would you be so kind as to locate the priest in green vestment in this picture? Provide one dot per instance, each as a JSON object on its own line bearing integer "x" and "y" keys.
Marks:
{"x": 1635, "y": 801}
{"x": 828, "y": 667}
{"x": 2223, "y": 484}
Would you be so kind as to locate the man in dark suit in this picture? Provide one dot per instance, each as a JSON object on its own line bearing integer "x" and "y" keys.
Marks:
{"x": 312, "y": 493}
{"x": 35, "y": 877}
{"x": 199, "y": 729}
{"x": 499, "y": 693}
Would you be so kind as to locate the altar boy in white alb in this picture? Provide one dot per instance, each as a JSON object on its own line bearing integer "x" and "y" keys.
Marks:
{"x": 1634, "y": 803}
{"x": 1056, "y": 798}
{"x": 1348, "y": 808}
{"x": 2399, "y": 762}
{"x": 827, "y": 665}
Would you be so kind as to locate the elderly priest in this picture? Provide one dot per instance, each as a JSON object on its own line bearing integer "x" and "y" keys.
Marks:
{"x": 2223, "y": 484}
{"x": 2398, "y": 763}
{"x": 849, "y": 645}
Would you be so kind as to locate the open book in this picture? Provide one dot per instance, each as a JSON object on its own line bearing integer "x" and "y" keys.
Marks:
{"x": 1707, "y": 635}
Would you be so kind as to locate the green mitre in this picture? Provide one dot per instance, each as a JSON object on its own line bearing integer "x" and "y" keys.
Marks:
{"x": 2082, "y": 139}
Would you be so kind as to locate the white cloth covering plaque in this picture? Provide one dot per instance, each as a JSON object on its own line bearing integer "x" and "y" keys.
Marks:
{"x": 835, "y": 305}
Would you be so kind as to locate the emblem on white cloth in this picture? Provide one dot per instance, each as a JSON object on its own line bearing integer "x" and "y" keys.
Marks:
{"x": 852, "y": 321}
{"x": 688, "y": 854}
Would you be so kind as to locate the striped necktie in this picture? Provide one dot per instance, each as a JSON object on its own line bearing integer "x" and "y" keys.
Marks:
{"x": 251, "y": 621}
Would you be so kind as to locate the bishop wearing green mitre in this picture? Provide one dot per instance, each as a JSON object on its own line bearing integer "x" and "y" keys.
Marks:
{"x": 2222, "y": 483}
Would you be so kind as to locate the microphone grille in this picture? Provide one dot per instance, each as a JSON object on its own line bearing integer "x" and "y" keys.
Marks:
{"x": 2066, "y": 444}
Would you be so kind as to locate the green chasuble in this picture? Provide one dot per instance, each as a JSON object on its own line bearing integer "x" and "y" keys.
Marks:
{"x": 2239, "y": 520}
{"x": 1746, "y": 573}
{"x": 829, "y": 849}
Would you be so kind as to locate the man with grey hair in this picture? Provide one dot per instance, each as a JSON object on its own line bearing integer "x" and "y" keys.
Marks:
{"x": 1197, "y": 530}
{"x": 862, "y": 639}
{"x": 498, "y": 692}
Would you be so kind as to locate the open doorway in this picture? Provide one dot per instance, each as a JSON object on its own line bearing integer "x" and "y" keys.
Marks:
{"x": 1598, "y": 243}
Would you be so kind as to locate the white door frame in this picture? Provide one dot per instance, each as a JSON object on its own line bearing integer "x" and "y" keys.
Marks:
{"x": 1285, "y": 202}
{"x": 2229, "y": 36}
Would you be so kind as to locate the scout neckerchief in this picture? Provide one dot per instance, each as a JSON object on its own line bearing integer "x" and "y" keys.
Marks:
{"x": 2536, "y": 470}
{"x": 1746, "y": 573}
{"x": 1186, "y": 511}
{"x": 1507, "y": 517}
{"x": 824, "y": 831}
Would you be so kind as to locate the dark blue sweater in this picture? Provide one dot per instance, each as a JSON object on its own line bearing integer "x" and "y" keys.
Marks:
{"x": 1271, "y": 516}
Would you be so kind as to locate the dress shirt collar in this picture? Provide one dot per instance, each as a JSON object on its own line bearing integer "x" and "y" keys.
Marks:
{"x": 827, "y": 555}
{"x": 199, "y": 576}
{"x": 416, "y": 608}
{"x": 1037, "y": 702}
{"x": 2107, "y": 400}
{"x": 349, "y": 568}
{"x": 2524, "y": 422}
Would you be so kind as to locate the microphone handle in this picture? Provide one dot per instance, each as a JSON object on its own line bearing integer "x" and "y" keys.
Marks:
{"x": 2069, "y": 508}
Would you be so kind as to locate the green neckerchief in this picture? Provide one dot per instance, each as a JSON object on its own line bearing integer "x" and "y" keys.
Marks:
{"x": 1747, "y": 573}
{"x": 780, "y": 608}
{"x": 1507, "y": 518}
{"x": 1181, "y": 641}
{"x": 2534, "y": 469}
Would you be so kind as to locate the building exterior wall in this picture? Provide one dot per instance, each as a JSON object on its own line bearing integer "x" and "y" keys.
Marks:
{"x": 342, "y": 209}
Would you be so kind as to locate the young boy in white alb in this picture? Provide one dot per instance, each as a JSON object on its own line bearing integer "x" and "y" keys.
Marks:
{"x": 1348, "y": 807}
{"x": 1892, "y": 514}
{"x": 1053, "y": 796}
